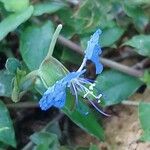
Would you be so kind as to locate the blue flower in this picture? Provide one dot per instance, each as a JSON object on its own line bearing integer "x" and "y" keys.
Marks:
{"x": 56, "y": 95}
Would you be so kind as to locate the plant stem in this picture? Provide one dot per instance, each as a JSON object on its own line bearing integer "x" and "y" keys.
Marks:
{"x": 141, "y": 65}
{"x": 112, "y": 64}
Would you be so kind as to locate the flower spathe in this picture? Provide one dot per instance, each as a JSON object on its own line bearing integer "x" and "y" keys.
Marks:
{"x": 56, "y": 94}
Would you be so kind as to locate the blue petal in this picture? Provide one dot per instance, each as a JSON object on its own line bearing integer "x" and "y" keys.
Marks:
{"x": 93, "y": 51}
{"x": 54, "y": 96}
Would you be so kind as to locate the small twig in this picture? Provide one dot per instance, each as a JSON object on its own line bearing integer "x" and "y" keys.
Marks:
{"x": 70, "y": 45}
{"x": 122, "y": 68}
{"x": 130, "y": 103}
{"x": 23, "y": 105}
{"x": 145, "y": 62}
{"x": 127, "y": 56}
{"x": 106, "y": 62}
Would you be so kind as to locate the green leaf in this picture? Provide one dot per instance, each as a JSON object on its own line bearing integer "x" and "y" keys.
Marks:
{"x": 141, "y": 43}
{"x": 39, "y": 86}
{"x": 45, "y": 140}
{"x": 34, "y": 44}
{"x": 13, "y": 21}
{"x": 47, "y": 7}
{"x": 12, "y": 64}
{"x": 15, "y": 5}
{"x": 5, "y": 83}
{"x": 82, "y": 148}
{"x": 3, "y": 146}
{"x": 144, "y": 111}
{"x": 139, "y": 17}
{"x": 54, "y": 128}
{"x": 89, "y": 15}
{"x": 107, "y": 40}
{"x": 68, "y": 55}
{"x": 93, "y": 147}
{"x": 116, "y": 86}
{"x": 65, "y": 148}
{"x": 7, "y": 134}
{"x": 69, "y": 24}
{"x": 84, "y": 120}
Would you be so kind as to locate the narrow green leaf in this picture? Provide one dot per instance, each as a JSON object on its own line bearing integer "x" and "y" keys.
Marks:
{"x": 5, "y": 83}
{"x": 107, "y": 40}
{"x": 13, "y": 21}
{"x": 34, "y": 44}
{"x": 47, "y": 7}
{"x": 7, "y": 134}
{"x": 144, "y": 111}
{"x": 141, "y": 43}
{"x": 116, "y": 86}
{"x": 45, "y": 140}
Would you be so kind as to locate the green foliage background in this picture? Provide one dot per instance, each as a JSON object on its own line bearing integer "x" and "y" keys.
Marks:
{"x": 124, "y": 23}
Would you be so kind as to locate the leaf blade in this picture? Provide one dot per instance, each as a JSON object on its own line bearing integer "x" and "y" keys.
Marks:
{"x": 116, "y": 86}
{"x": 141, "y": 43}
{"x": 34, "y": 52}
{"x": 7, "y": 134}
{"x": 13, "y": 21}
